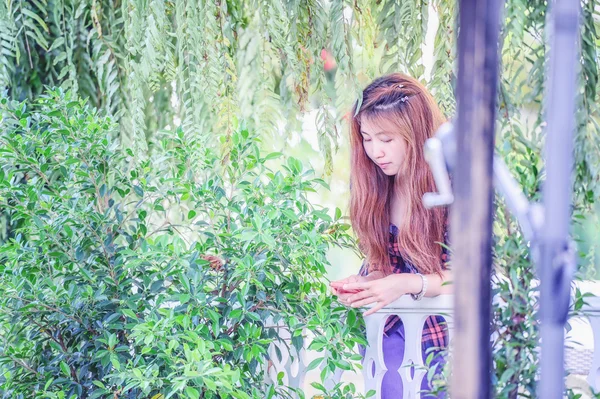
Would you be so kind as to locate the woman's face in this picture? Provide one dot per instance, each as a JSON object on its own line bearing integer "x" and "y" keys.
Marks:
{"x": 384, "y": 145}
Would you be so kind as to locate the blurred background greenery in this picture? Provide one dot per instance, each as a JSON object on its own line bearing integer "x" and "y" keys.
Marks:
{"x": 289, "y": 69}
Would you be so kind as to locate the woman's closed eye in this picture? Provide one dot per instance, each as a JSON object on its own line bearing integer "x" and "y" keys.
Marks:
{"x": 383, "y": 140}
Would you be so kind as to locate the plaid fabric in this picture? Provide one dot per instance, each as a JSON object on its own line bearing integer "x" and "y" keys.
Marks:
{"x": 435, "y": 330}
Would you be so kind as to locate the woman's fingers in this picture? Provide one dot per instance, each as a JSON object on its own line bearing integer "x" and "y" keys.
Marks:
{"x": 349, "y": 279}
{"x": 345, "y": 287}
{"x": 349, "y": 291}
{"x": 337, "y": 284}
{"x": 364, "y": 302}
{"x": 356, "y": 286}
{"x": 339, "y": 288}
{"x": 365, "y": 298}
{"x": 359, "y": 296}
{"x": 343, "y": 298}
{"x": 379, "y": 292}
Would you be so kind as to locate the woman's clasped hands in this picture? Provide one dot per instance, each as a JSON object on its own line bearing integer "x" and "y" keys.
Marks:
{"x": 376, "y": 289}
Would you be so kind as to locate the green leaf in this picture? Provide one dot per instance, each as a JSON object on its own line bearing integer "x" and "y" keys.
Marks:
{"x": 318, "y": 386}
{"x": 273, "y": 155}
{"x": 322, "y": 183}
{"x": 192, "y": 393}
{"x": 58, "y": 42}
{"x": 48, "y": 383}
{"x": 338, "y": 213}
{"x": 65, "y": 369}
{"x": 129, "y": 313}
{"x": 115, "y": 363}
{"x": 314, "y": 364}
{"x": 138, "y": 190}
{"x": 36, "y": 17}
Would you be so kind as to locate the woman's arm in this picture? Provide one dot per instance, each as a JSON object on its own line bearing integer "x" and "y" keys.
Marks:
{"x": 384, "y": 291}
{"x": 337, "y": 289}
{"x": 436, "y": 284}
{"x": 362, "y": 276}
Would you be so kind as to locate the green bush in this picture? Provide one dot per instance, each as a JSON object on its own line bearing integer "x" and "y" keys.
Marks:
{"x": 155, "y": 278}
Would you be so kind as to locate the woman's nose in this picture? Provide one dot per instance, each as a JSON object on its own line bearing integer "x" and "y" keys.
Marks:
{"x": 378, "y": 150}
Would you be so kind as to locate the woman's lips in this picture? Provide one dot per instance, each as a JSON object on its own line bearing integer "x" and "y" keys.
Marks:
{"x": 384, "y": 165}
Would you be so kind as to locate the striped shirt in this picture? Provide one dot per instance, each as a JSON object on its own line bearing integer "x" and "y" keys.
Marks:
{"x": 435, "y": 330}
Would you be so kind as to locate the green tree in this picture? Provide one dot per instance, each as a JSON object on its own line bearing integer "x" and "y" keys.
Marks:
{"x": 169, "y": 277}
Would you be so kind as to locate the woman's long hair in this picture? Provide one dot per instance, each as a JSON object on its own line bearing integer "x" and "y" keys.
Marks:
{"x": 405, "y": 102}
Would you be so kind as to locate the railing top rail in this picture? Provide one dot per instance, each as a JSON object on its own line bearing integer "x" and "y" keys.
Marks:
{"x": 441, "y": 303}
{"x": 592, "y": 305}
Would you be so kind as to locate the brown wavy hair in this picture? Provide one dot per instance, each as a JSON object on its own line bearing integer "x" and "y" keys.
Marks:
{"x": 405, "y": 102}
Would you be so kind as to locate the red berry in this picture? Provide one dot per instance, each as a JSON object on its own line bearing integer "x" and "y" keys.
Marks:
{"x": 329, "y": 64}
{"x": 324, "y": 54}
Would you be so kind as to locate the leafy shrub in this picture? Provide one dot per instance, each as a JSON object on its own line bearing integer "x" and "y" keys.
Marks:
{"x": 156, "y": 278}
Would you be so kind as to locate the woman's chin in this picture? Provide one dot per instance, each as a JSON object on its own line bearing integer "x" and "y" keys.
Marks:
{"x": 389, "y": 172}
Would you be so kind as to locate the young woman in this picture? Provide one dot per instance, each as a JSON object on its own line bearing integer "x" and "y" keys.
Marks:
{"x": 400, "y": 238}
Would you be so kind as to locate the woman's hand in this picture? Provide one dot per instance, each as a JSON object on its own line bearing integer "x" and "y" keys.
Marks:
{"x": 381, "y": 292}
{"x": 337, "y": 287}
{"x": 343, "y": 295}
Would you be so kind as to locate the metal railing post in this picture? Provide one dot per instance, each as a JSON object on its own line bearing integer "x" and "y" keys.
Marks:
{"x": 557, "y": 259}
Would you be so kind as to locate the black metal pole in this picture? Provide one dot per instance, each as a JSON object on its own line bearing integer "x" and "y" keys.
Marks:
{"x": 556, "y": 258}
{"x": 472, "y": 212}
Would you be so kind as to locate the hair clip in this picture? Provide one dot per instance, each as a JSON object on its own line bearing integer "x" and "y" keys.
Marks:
{"x": 391, "y": 105}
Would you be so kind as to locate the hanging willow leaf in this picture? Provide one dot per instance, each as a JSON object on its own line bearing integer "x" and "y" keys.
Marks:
{"x": 207, "y": 65}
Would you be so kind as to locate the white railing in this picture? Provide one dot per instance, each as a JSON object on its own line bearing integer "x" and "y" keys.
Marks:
{"x": 413, "y": 314}
{"x": 412, "y": 371}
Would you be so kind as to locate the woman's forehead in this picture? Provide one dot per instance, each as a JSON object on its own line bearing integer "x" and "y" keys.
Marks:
{"x": 374, "y": 125}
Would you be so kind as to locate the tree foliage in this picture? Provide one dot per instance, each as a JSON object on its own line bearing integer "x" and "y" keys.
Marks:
{"x": 206, "y": 65}
{"x": 170, "y": 277}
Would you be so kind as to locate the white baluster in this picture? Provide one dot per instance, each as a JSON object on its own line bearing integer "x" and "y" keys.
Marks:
{"x": 413, "y": 356}
{"x": 293, "y": 363}
{"x": 296, "y": 367}
{"x": 413, "y": 315}
{"x": 277, "y": 365}
{"x": 333, "y": 379}
{"x": 374, "y": 353}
